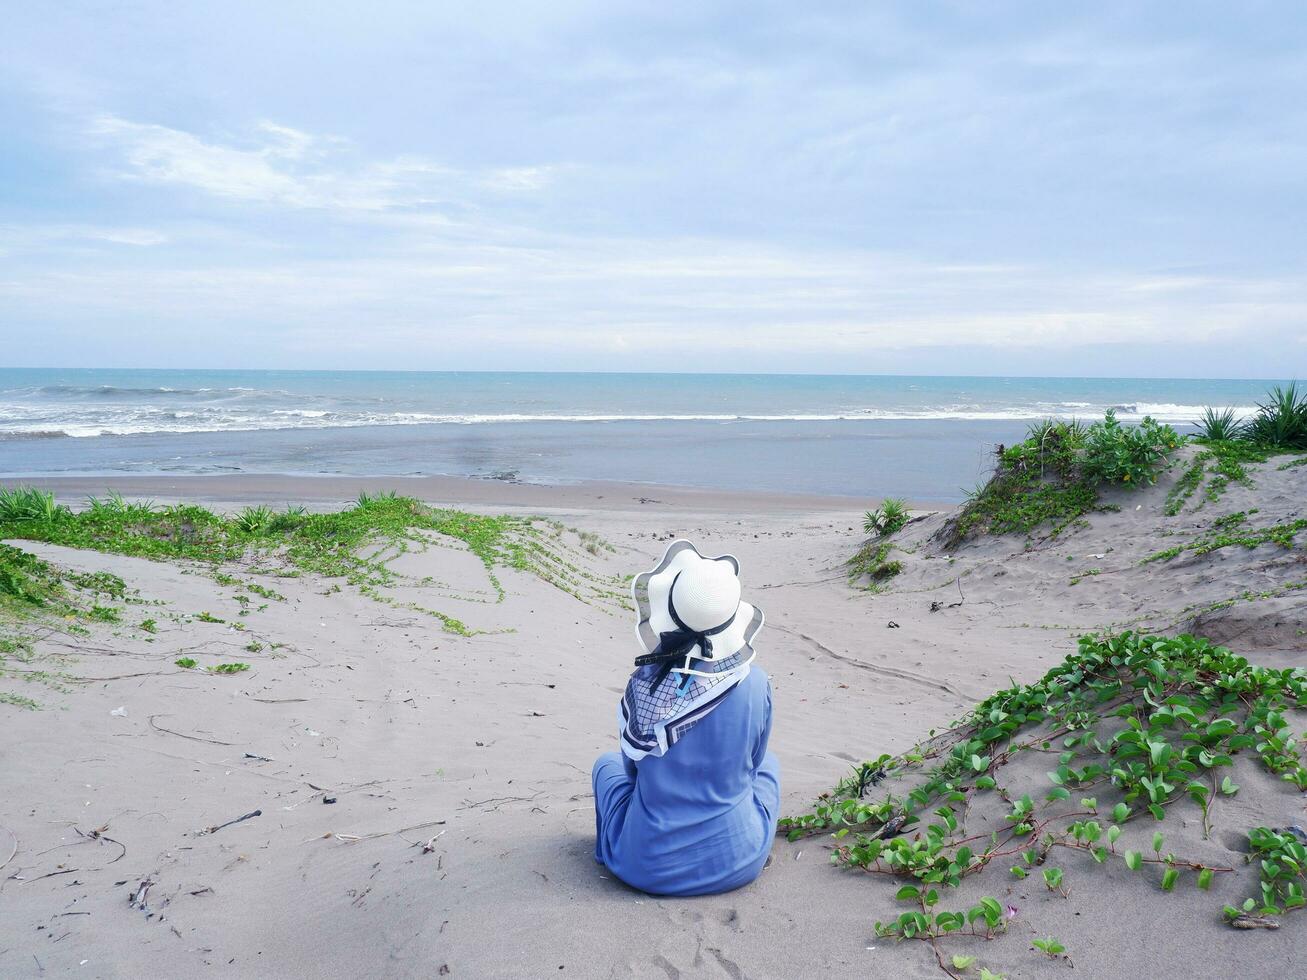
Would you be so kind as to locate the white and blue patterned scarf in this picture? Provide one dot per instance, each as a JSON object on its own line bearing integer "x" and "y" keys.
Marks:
{"x": 665, "y": 699}
{"x": 659, "y": 708}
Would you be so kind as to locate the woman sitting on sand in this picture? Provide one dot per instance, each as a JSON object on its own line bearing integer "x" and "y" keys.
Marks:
{"x": 689, "y": 806}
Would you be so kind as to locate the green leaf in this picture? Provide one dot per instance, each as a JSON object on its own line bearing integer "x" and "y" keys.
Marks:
{"x": 1228, "y": 786}
{"x": 1057, "y": 793}
{"x": 1159, "y": 753}
{"x": 1133, "y": 859}
{"x": 1205, "y": 879}
{"x": 908, "y": 892}
{"x": 1120, "y": 812}
{"x": 962, "y": 962}
{"x": 1168, "y": 879}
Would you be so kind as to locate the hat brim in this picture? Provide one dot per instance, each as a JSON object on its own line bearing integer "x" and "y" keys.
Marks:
{"x": 651, "y": 589}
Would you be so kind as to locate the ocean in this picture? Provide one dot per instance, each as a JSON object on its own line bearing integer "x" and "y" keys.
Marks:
{"x": 925, "y": 438}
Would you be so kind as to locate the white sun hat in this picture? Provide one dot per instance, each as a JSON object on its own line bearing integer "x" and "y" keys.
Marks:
{"x": 691, "y": 603}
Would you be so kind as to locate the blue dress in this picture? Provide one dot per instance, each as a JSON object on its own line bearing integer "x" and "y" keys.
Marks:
{"x": 699, "y": 819}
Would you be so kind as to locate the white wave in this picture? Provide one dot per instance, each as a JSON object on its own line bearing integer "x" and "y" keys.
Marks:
{"x": 1186, "y": 413}
{"x": 82, "y": 421}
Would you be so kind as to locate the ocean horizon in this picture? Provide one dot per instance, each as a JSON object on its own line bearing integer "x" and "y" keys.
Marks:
{"x": 923, "y": 437}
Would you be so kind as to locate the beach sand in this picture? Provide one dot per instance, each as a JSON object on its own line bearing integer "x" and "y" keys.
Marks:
{"x": 460, "y": 839}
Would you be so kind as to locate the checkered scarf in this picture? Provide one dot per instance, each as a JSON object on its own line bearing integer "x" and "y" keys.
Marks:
{"x": 658, "y": 708}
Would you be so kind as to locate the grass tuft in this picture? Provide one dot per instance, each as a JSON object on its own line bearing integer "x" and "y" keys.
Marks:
{"x": 887, "y": 519}
{"x": 1218, "y": 425}
{"x": 1281, "y": 421}
{"x": 21, "y": 504}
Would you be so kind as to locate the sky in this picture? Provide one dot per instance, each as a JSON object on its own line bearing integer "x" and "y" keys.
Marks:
{"x": 917, "y": 187}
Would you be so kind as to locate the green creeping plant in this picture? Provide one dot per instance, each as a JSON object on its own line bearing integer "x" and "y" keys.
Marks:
{"x": 1152, "y": 723}
{"x": 1049, "y": 947}
{"x": 356, "y": 545}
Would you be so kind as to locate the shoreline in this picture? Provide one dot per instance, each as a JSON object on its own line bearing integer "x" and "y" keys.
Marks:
{"x": 330, "y": 489}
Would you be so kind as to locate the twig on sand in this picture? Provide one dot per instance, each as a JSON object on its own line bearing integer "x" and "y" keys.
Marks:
{"x": 193, "y": 738}
{"x": 355, "y": 838}
{"x": 500, "y": 801}
{"x": 99, "y": 834}
{"x": 247, "y": 816}
{"x": 52, "y": 874}
{"x": 936, "y": 606}
{"x": 14, "y": 851}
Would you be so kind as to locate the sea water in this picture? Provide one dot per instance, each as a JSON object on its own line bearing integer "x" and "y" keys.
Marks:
{"x": 926, "y": 438}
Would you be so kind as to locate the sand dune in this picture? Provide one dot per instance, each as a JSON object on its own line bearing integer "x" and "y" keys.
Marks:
{"x": 424, "y": 798}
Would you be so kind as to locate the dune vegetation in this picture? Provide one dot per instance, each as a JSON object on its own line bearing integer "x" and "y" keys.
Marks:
{"x": 1140, "y": 727}
{"x": 1059, "y": 472}
{"x": 356, "y": 545}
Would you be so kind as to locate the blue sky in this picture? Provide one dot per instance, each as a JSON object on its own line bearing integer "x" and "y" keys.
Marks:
{"x": 1025, "y": 188}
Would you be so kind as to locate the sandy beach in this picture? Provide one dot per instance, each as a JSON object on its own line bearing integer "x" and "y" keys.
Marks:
{"x": 423, "y": 798}
{"x": 370, "y": 371}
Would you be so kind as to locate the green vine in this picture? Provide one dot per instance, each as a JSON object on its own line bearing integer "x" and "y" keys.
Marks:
{"x": 1149, "y": 721}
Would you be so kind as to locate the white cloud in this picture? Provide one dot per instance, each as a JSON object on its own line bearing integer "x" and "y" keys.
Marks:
{"x": 281, "y": 166}
{"x": 808, "y": 187}
{"x": 692, "y": 300}
{"x": 16, "y": 239}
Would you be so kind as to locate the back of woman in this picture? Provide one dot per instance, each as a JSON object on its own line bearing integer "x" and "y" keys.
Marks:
{"x": 689, "y": 806}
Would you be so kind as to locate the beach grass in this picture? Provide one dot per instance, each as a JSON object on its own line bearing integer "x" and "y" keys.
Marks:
{"x": 887, "y": 519}
{"x": 1280, "y": 421}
